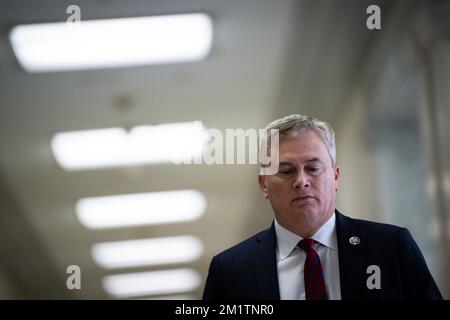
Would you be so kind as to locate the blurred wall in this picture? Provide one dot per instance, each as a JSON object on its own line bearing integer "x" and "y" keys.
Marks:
{"x": 392, "y": 140}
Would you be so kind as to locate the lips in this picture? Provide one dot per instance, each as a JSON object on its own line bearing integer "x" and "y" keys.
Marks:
{"x": 305, "y": 197}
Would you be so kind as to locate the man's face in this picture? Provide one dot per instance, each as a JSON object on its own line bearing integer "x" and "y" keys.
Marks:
{"x": 303, "y": 191}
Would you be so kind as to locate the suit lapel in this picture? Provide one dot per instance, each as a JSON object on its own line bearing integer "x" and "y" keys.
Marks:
{"x": 351, "y": 257}
{"x": 263, "y": 258}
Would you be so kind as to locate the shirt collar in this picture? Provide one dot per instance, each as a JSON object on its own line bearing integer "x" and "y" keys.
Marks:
{"x": 287, "y": 240}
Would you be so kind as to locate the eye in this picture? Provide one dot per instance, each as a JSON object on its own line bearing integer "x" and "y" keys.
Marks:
{"x": 313, "y": 169}
{"x": 285, "y": 171}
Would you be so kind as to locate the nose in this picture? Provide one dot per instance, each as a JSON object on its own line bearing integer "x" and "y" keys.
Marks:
{"x": 301, "y": 180}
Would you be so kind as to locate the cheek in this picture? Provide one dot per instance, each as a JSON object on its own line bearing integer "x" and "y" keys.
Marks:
{"x": 277, "y": 191}
{"x": 326, "y": 187}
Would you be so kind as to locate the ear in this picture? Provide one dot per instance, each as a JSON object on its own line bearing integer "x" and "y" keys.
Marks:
{"x": 262, "y": 185}
{"x": 337, "y": 172}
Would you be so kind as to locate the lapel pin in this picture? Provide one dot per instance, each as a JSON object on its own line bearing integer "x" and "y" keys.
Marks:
{"x": 354, "y": 241}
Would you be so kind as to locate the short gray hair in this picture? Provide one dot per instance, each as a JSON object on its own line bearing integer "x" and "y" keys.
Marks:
{"x": 294, "y": 124}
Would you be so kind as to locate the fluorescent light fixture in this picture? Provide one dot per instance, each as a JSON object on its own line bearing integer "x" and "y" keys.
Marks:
{"x": 151, "y": 283}
{"x": 111, "y": 43}
{"x": 140, "y": 209}
{"x": 114, "y": 147}
{"x": 144, "y": 252}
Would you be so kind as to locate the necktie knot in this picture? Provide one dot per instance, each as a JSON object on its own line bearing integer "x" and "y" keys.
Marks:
{"x": 306, "y": 245}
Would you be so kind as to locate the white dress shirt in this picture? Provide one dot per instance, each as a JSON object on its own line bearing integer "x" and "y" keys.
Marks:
{"x": 291, "y": 261}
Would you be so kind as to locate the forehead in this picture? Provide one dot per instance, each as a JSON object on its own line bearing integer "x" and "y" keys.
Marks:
{"x": 303, "y": 147}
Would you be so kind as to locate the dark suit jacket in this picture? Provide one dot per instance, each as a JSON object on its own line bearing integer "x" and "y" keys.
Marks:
{"x": 249, "y": 270}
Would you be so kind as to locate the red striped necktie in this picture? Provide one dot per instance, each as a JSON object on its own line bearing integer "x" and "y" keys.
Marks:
{"x": 313, "y": 275}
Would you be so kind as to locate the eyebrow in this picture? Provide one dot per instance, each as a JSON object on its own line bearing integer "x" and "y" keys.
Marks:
{"x": 312, "y": 160}
{"x": 287, "y": 163}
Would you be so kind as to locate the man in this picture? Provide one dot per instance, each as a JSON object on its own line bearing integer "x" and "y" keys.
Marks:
{"x": 312, "y": 251}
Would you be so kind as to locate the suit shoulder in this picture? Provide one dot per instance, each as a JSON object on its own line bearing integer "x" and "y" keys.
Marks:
{"x": 241, "y": 248}
{"x": 377, "y": 225}
{"x": 379, "y": 228}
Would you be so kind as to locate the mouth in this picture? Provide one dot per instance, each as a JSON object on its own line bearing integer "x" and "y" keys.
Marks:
{"x": 303, "y": 198}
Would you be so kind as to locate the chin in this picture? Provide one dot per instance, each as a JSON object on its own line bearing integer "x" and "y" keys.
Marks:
{"x": 306, "y": 213}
